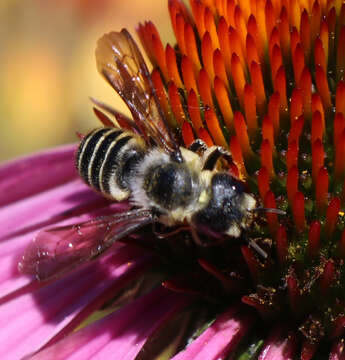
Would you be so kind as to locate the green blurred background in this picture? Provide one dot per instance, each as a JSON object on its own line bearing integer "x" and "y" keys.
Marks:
{"x": 47, "y": 66}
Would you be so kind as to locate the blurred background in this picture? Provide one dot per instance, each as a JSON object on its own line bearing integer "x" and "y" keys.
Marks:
{"x": 47, "y": 66}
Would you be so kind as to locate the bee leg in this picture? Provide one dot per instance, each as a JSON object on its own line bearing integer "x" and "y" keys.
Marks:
{"x": 202, "y": 243}
{"x": 212, "y": 155}
{"x": 198, "y": 146}
{"x": 196, "y": 237}
{"x": 161, "y": 235}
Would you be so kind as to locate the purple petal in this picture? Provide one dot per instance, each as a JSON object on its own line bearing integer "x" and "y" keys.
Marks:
{"x": 30, "y": 320}
{"x": 280, "y": 345}
{"x": 36, "y": 173}
{"x": 120, "y": 335}
{"x": 220, "y": 338}
{"x": 44, "y": 208}
{"x": 338, "y": 350}
{"x": 69, "y": 203}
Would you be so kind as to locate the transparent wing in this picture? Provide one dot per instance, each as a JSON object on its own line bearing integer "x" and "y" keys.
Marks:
{"x": 58, "y": 250}
{"x": 119, "y": 60}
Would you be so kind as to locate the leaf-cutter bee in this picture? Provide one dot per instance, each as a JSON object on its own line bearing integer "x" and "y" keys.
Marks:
{"x": 142, "y": 162}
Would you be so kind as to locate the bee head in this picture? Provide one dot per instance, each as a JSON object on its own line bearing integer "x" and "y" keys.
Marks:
{"x": 229, "y": 209}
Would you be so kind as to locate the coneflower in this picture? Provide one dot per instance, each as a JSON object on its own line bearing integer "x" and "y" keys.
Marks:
{"x": 263, "y": 79}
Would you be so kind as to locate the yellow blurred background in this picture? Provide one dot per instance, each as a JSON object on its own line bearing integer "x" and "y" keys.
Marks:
{"x": 47, "y": 66}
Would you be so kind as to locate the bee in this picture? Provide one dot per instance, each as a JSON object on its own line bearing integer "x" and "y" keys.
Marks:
{"x": 141, "y": 161}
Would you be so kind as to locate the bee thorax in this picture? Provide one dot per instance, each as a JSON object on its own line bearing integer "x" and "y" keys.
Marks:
{"x": 170, "y": 188}
{"x": 170, "y": 185}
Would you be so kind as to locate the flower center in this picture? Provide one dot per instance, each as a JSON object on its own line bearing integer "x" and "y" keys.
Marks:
{"x": 265, "y": 80}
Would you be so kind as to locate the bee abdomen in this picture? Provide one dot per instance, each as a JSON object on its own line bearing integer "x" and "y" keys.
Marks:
{"x": 107, "y": 158}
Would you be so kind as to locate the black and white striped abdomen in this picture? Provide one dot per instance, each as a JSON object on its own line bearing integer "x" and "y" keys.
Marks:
{"x": 106, "y": 160}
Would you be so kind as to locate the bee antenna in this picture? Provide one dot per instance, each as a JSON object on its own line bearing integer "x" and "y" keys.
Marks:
{"x": 257, "y": 248}
{"x": 269, "y": 210}
{"x": 253, "y": 244}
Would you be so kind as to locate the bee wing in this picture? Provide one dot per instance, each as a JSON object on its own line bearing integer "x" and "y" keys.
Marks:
{"x": 58, "y": 250}
{"x": 120, "y": 61}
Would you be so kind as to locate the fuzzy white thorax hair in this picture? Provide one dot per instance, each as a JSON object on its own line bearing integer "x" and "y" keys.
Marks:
{"x": 154, "y": 157}
{"x": 157, "y": 157}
